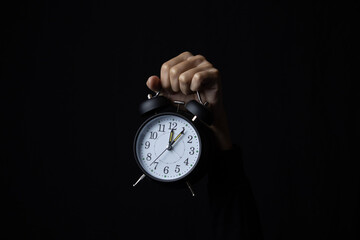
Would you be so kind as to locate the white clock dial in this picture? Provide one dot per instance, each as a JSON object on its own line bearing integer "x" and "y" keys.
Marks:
{"x": 168, "y": 147}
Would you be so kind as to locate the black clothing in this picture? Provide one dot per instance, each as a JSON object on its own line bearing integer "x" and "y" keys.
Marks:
{"x": 233, "y": 207}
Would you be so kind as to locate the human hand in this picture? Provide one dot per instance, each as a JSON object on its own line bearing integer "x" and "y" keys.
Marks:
{"x": 182, "y": 76}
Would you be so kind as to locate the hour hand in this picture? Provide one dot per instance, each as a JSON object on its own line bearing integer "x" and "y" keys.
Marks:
{"x": 171, "y": 136}
{"x": 169, "y": 147}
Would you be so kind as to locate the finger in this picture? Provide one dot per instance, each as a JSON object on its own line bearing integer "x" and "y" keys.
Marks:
{"x": 178, "y": 69}
{"x": 205, "y": 80}
{"x": 165, "y": 69}
{"x": 185, "y": 78}
{"x": 154, "y": 83}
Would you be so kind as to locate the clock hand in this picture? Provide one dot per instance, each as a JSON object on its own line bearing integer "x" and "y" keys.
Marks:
{"x": 159, "y": 155}
{"x": 171, "y": 135}
{"x": 178, "y": 136}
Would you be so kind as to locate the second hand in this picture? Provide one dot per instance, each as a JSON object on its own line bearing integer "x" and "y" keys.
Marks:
{"x": 159, "y": 156}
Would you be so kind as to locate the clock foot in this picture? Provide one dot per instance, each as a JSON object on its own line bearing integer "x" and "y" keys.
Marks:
{"x": 140, "y": 178}
{"x": 191, "y": 190}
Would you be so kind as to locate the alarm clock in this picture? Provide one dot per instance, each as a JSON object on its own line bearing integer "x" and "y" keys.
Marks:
{"x": 172, "y": 144}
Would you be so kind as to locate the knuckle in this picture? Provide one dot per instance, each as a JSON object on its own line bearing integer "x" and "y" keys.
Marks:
{"x": 216, "y": 73}
{"x": 200, "y": 57}
{"x": 208, "y": 64}
{"x": 187, "y": 53}
{"x": 197, "y": 59}
{"x": 173, "y": 71}
{"x": 165, "y": 66}
{"x": 197, "y": 77}
{"x": 183, "y": 79}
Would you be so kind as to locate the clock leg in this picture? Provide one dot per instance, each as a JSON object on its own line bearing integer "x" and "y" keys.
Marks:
{"x": 191, "y": 190}
{"x": 140, "y": 178}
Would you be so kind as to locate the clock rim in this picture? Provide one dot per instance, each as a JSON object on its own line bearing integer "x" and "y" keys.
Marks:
{"x": 185, "y": 176}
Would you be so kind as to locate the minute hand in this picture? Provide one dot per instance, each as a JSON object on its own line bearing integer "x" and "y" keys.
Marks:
{"x": 178, "y": 136}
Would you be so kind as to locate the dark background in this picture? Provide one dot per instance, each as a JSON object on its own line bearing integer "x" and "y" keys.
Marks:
{"x": 73, "y": 74}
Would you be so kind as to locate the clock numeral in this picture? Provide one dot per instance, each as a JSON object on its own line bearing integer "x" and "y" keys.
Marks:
{"x": 166, "y": 169}
{"x": 148, "y": 156}
{"x": 156, "y": 164}
{"x": 161, "y": 127}
{"x": 172, "y": 125}
{"x": 190, "y": 139}
{"x": 192, "y": 151}
{"x": 186, "y": 162}
{"x": 177, "y": 168}
{"x": 147, "y": 145}
{"x": 153, "y": 135}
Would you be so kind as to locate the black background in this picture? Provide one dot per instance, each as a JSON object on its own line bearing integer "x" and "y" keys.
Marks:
{"x": 73, "y": 74}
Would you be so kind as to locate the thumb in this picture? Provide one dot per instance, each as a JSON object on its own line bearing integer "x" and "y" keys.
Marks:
{"x": 154, "y": 83}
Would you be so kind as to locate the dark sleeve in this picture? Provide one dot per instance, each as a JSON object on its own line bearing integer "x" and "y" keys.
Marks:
{"x": 233, "y": 207}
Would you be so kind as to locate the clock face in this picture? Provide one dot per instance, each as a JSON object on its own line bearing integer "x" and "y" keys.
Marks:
{"x": 167, "y": 147}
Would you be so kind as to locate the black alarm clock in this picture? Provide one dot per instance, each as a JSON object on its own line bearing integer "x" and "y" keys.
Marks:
{"x": 173, "y": 142}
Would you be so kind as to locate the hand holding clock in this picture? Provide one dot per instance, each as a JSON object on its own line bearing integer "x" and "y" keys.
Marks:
{"x": 182, "y": 76}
